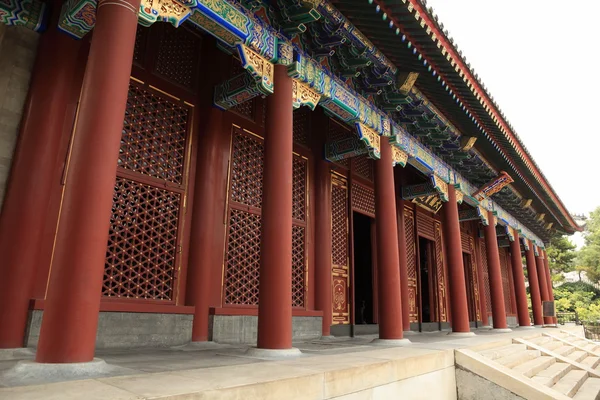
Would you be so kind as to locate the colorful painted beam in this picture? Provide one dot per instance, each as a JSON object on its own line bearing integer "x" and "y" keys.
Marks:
{"x": 31, "y": 14}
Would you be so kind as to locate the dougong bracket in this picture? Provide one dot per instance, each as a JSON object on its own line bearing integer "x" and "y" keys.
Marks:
{"x": 303, "y": 95}
{"x": 259, "y": 68}
{"x": 371, "y": 139}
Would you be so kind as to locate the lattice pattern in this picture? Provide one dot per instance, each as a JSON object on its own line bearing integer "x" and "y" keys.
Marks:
{"x": 178, "y": 51}
{"x": 439, "y": 261}
{"x": 486, "y": 276}
{"x": 245, "y": 109}
{"x": 425, "y": 225}
{"x": 298, "y": 265}
{"x": 247, "y": 169}
{"x": 243, "y": 258}
{"x": 154, "y": 136}
{"x": 464, "y": 241}
{"x": 339, "y": 224}
{"x": 411, "y": 258}
{"x": 302, "y": 126}
{"x": 363, "y": 199}
{"x": 505, "y": 281}
{"x": 139, "y": 49}
{"x": 142, "y": 245}
{"x": 363, "y": 166}
{"x": 337, "y": 131}
{"x": 299, "y": 189}
{"x": 345, "y": 163}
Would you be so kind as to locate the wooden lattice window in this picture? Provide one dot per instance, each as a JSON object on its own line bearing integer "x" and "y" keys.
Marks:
{"x": 363, "y": 199}
{"x": 363, "y": 167}
{"x": 143, "y": 249}
{"x": 242, "y": 259}
{"x": 505, "y": 281}
{"x": 302, "y": 126}
{"x": 411, "y": 261}
{"x": 178, "y": 55}
{"x": 339, "y": 250}
{"x": 440, "y": 273}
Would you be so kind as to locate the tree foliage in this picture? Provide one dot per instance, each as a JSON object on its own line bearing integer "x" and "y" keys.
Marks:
{"x": 589, "y": 255}
{"x": 561, "y": 255}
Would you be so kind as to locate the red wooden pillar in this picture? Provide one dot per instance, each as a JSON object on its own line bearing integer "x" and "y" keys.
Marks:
{"x": 323, "y": 300}
{"x": 543, "y": 281}
{"x": 389, "y": 300}
{"x": 549, "y": 275}
{"x": 32, "y": 177}
{"x": 68, "y": 332}
{"x": 481, "y": 283}
{"x": 454, "y": 258}
{"x": 275, "y": 296}
{"x": 202, "y": 256}
{"x": 519, "y": 282}
{"x": 496, "y": 292}
{"x": 403, "y": 262}
{"x": 534, "y": 287}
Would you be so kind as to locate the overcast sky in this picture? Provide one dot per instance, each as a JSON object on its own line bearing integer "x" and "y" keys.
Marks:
{"x": 538, "y": 59}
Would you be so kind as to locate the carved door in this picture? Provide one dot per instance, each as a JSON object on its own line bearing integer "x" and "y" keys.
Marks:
{"x": 340, "y": 265}
{"x": 411, "y": 261}
{"x": 440, "y": 274}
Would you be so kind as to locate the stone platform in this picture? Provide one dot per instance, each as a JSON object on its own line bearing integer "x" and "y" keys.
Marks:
{"x": 340, "y": 368}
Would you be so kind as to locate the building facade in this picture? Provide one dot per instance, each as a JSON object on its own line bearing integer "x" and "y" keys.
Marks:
{"x": 252, "y": 172}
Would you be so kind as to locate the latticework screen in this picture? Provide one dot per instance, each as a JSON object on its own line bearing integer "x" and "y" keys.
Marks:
{"x": 411, "y": 261}
{"x": 363, "y": 199}
{"x": 177, "y": 58}
{"x": 363, "y": 167}
{"x": 339, "y": 250}
{"x": 425, "y": 225}
{"x": 505, "y": 281}
{"x": 336, "y": 131}
{"x": 486, "y": 276}
{"x": 302, "y": 126}
{"x": 440, "y": 273}
{"x": 142, "y": 255}
{"x": 242, "y": 258}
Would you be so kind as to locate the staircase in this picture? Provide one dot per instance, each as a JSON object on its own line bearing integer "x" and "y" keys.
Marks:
{"x": 567, "y": 365}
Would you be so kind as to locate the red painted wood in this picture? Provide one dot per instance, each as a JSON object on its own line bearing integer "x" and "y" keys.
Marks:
{"x": 403, "y": 263}
{"x": 496, "y": 291}
{"x": 549, "y": 275}
{"x": 454, "y": 259}
{"x": 543, "y": 281}
{"x": 388, "y": 274}
{"x": 481, "y": 282}
{"x": 254, "y": 311}
{"x": 534, "y": 287}
{"x": 127, "y": 306}
{"x": 68, "y": 332}
{"x": 323, "y": 288}
{"x": 519, "y": 282}
{"x": 32, "y": 179}
{"x": 275, "y": 296}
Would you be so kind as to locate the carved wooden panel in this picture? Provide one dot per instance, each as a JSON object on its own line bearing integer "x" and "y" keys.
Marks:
{"x": 411, "y": 261}
{"x": 440, "y": 273}
{"x": 486, "y": 276}
{"x": 505, "y": 281}
{"x": 363, "y": 167}
{"x": 177, "y": 58}
{"x": 339, "y": 247}
{"x": 363, "y": 199}
{"x": 425, "y": 225}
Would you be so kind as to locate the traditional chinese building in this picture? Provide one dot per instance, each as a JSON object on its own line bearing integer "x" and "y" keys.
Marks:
{"x": 256, "y": 171}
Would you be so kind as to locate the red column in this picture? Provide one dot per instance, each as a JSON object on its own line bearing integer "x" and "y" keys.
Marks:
{"x": 456, "y": 271}
{"x": 534, "y": 287}
{"x": 323, "y": 244}
{"x": 549, "y": 275}
{"x": 70, "y": 320}
{"x": 543, "y": 281}
{"x": 275, "y": 296}
{"x": 496, "y": 292}
{"x": 31, "y": 179}
{"x": 403, "y": 262}
{"x": 202, "y": 256}
{"x": 519, "y": 281}
{"x": 389, "y": 301}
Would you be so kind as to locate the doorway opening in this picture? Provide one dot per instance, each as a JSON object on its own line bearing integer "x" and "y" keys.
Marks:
{"x": 469, "y": 282}
{"x": 426, "y": 274}
{"x": 364, "y": 304}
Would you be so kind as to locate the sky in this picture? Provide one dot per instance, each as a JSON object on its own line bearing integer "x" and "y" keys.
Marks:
{"x": 538, "y": 60}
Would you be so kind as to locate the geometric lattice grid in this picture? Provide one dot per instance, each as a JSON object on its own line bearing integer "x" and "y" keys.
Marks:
{"x": 178, "y": 51}
{"x": 142, "y": 245}
{"x": 439, "y": 260}
{"x": 336, "y": 132}
{"x": 247, "y": 170}
{"x": 339, "y": 225}
{"x": 411, "y": 259}
{"x": 301, "y": 126}
{"x": 243, "y": 258}
{"x": 242, "y": 265}
{"x": 154, "y": 136}
{"x": 486, "y": 276}
{"x": 363, "y": 199}
{"x": 139, "y": 49}
{"x": 363, "y": 166}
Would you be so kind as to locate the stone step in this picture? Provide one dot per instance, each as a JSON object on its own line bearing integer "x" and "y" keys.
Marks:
{"x": 555, "y": 344}
{"x": 571, "y": 382}
{"x": 532, "y": 367}
{"x": 503, "y": 351}
{"x": 591, "y": 361}
{"x": 540, "y": 340}
{"x": 515, "y": 359}
{"x": 580, "y": 343}
{"x": 578, "y": 355}
{"x": 590, "y": 390}
{"x": 591, "y": 347}
{"x": 564, "y": 350}
{"x": 553, "y": 373}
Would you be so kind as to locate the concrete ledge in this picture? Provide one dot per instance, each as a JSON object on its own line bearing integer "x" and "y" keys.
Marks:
{"x": 502, "y": 330}
{"x": 243, "y": 329}
{"x": 20, "y": 353}
{"x": 391, "y": 342}
{"x": 273, "y": 353}
{"x": 461, "y": 334}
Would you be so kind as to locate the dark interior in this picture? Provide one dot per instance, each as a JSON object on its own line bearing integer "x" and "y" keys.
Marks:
{"x": 425, "y": 267}
{"x": 363, "y": 270}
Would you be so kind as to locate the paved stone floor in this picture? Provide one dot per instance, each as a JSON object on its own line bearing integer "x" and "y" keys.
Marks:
{"x": 132, "y": 371}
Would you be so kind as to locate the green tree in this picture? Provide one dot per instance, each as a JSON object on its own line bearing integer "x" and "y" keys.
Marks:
{"x": 589, "y": 255}
{"x": 561, "y": 256}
